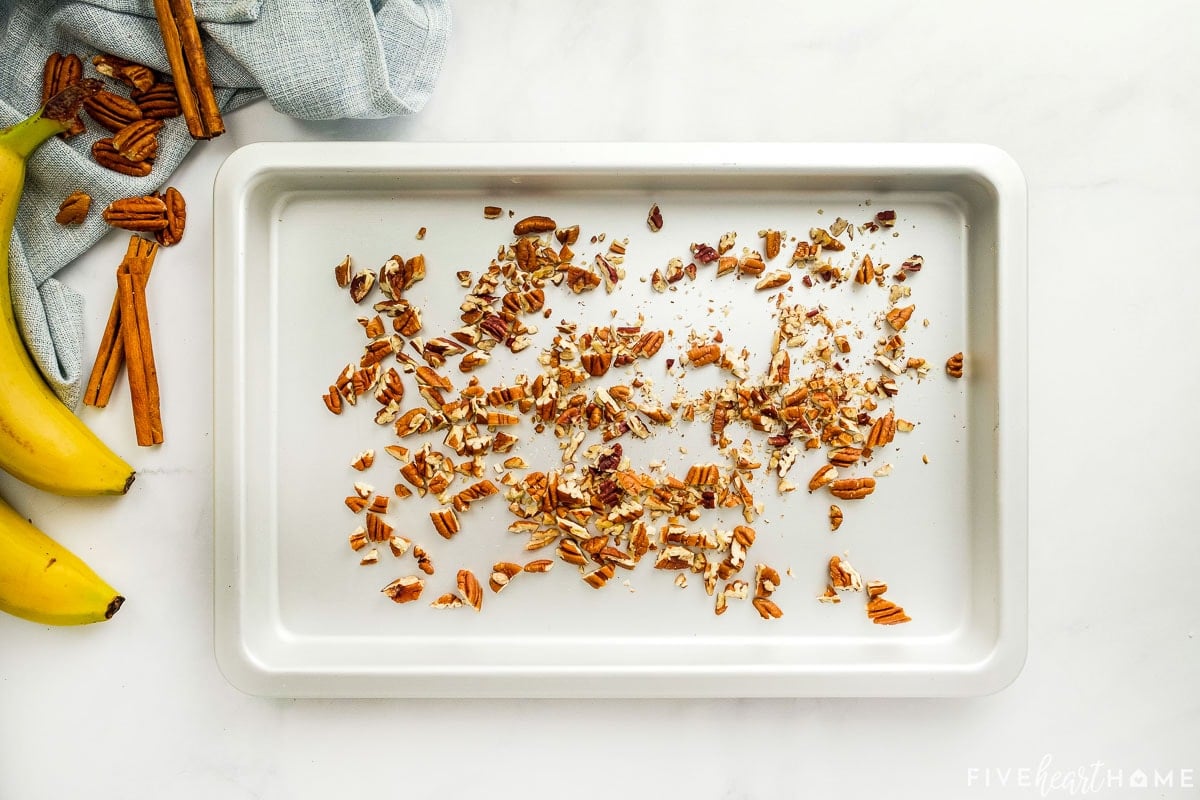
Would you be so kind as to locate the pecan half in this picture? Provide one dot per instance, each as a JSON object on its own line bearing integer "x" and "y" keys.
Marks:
{"x": 766, "y": 608}
{"x": 107, "y": 156}
{"x": 138, "y": 141}
{"x": 534, "y": 224}
{"x": 445, "y": 522}
{"x": 111, "y": 110}
{"x": 158, "y": 102}
{"x": 60, "y": 72}
{"x": 137, "y": 213}
{"x": 176, "y": 218}
{"x": 852, "y": 488}
{"x": 74, "y": 209}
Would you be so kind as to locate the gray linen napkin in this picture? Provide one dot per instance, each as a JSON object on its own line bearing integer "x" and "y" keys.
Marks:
{"x": 312, "y": 60}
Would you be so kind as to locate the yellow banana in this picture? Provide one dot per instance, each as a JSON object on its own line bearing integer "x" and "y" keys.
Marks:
{"x": 42, "y": 581}
{"x": 42, "y": 442}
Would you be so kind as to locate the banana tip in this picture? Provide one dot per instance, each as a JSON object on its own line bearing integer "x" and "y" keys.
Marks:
{"x": 129, "y": 482}
{"x": 114, "y": 606}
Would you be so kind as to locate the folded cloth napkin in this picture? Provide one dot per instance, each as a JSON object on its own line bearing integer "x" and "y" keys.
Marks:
{"x": 312, "y": 60}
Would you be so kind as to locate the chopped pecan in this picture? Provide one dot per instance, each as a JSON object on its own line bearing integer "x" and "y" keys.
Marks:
{"x": 445, "y": 522}
{"x": 469, "y": 589}
{"x": 865, "y": 272}
{"x": 654, "y": 218}
{"x": 843, "y": 576}
{"x": 954, "y": 365}
{"x": 404, "y": 590}
{"x": 539, "y": 565}
{"x": 772, "y": 242}
{"x": 898, "y": 317}
{"x": 824, "y": 475}
{"x": 773, "y": 280}
{"x": 766, "y": 608}
{"x": 492, "y": 212}
{"x": 835, "y": 517}
{"x": 502, "y": 573}
{"x": 361, "y": 285}
{"x": 883, "y": 431}
{"x": 884, "y": 612}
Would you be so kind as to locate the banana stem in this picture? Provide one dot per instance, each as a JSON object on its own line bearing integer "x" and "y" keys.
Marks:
{"x": 25, "y": 137}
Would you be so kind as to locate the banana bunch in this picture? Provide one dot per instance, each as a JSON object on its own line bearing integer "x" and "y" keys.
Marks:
{"x": 42, "y": 442}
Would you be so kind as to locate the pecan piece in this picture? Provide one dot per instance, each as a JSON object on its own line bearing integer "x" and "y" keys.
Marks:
{"x": 341, "y": 273}
{"x": 701, "y": 355}
{"x": 157, "y": 102}
{"x": 596, "y": 364}
{"x": 111, "y": 110}
{"x": 766, "y": 608}
{"x": 773, "y": 280}
{"x": 835, "y": 517}
{"x": 130, "y": 73}
{"x": 404, "y": 590}
{"x": 469, "y": 589}
{"x": 845, "y": 456}
{"x": 60, "y": 72}
{"x": 883, "y": 431}
{"x": 137, "y": 213}
{"x": 138, "y": 140}
{"x": 865, "y": 272}
{"x": 176, "y": 218}
{"x": 842, "y": 576}
{"x": 502, "y": 573}
{"x": 954, "y": 365}
{"x": 824, "y": 475}
{"x": 534, "y": 224}
{"x": 107, "y": 156}
{"x": 74, "y": 209}
{"x": 772, "y": 243}
{"x": 898, "y": 317}
{"x": 884, "y": 612}
{"x": 852, "y": 488}
{"x": 654, "y": 218}
{"x": 445, "y": 522}
{"x": 492, "y": 212}
{"x": 361, "y": 284}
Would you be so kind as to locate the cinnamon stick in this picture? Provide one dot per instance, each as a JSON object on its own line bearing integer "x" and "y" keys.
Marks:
{"x": 185, "y": 54}
{"x": 111, "y": 354}
{"x": 139, "y": 272}
{"x": 139, "y": 391}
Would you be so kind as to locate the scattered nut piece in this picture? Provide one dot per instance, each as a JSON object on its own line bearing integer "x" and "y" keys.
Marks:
{"x": 74, "y": 209}
{"x": 835, "y": 517}
{"x": 654, "y": 218}
{"x": 954, "y": 365}
{"x": 404, "y": 590}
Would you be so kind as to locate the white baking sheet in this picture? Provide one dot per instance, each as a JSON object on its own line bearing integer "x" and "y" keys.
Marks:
{"x": 295, "y": 613}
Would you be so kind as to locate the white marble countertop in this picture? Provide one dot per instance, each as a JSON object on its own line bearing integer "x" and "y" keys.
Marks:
{"x": 1100, "y": 108}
